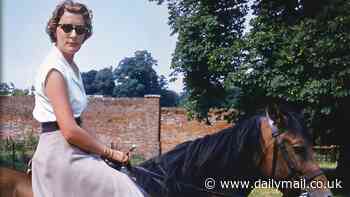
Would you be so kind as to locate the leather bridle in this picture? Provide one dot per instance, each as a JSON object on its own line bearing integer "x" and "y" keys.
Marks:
{"x": 279, "y": 144}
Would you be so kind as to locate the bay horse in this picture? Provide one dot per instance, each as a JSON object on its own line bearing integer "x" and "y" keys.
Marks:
{"x": 14, "y": 183}
{"x": 270, "y": 146}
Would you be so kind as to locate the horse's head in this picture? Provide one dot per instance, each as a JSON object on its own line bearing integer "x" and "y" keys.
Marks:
{"x": 288, "y": 156}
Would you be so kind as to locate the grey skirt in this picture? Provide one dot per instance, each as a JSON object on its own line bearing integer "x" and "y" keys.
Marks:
{"x": 62, "y": 170}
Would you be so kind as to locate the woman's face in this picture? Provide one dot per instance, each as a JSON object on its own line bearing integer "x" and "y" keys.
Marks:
{"x": 69, "y": 40}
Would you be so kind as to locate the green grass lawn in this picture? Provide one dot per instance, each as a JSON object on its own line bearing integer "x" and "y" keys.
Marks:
{"x": 327, "y": 164}
{"x": 276, "y": 193}
{"x": 265, "y": 193}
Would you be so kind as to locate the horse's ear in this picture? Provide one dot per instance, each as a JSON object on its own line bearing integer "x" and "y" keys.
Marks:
{"x": 277, "y": 116}
{"x": 273, "y": 111}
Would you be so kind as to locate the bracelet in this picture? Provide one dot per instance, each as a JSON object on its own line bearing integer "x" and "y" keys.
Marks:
{"x": 104, "y": 154}
{"x": 108, "y": 153}
{"x": 112, "y": 154}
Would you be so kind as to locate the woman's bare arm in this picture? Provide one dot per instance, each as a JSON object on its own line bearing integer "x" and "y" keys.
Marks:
{"x": 56, "y": 91}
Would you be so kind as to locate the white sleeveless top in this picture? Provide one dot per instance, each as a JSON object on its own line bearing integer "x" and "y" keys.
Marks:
{"x": 43, "y": 111}
{"x": 62, "y": 169}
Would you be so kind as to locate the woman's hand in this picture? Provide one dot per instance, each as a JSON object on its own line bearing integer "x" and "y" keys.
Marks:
{"x": 120, "y": 156}
{"x": 115, "y": 155}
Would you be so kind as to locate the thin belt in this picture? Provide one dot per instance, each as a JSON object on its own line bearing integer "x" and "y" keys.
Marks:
{"x": 53, "y": 126}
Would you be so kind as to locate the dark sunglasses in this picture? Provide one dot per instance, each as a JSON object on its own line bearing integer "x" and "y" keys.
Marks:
{"x": 79, "y": 29}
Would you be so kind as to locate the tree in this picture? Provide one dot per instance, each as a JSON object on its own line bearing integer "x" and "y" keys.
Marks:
{"x": 208, "y": 48}
{"x": 169, "y": 98}
{"x": 104, "y": 82}
{"x": 299, "y": 53}
{"x": 88, "y": 80}
{"x": 32, "y": 91}
{"x": 99, "y": 82}
{"x": 136, "y": 77}
{"x": 4, "y": 89}
{"x": 296, "y": 52}
{"x": 20, "y": 92}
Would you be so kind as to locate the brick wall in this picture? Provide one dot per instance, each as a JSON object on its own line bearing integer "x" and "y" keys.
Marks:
{"x": 16, "y": 116}
{"x": 176, "y": 128}
{"x": 125, "y": 121}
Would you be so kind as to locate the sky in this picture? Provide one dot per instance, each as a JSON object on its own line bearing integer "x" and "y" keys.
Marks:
{"x": 120, "y": 29}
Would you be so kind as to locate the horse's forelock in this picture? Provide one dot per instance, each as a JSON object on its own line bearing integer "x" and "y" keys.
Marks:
{"x": 250, "y": 134}
{"x": 296, "y": 124}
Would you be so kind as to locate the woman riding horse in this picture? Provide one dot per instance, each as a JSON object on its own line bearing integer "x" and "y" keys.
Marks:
{"x": 271, "y": 146}
{"x": 67, "y": 161}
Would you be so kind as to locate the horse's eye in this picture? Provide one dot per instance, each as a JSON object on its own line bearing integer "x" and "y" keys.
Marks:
{"x": 299, "y": 149}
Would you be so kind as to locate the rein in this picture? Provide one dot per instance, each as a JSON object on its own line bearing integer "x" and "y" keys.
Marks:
{"x": 279, "y": 144}
{"x": 184, "y": 184}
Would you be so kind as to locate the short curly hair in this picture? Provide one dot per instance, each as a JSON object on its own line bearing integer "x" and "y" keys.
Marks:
{"x": 72, "y": 7}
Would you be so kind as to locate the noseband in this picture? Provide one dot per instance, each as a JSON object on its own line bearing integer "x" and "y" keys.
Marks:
{"x": 280, "y": 144}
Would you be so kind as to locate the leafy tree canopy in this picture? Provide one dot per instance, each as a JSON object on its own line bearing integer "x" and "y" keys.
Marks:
{"x": 99, "y": 82}
{"x": 88, "y": 80}
{"x": 298, "y": 52}
{"x": 136, "y": 77}
{"x": 209, "y": 47}
{"x": 4, "y": 89}
{"x": 133, "y": 77}
{"x": 11, "y": 90}
{"x": 295, "y": 52}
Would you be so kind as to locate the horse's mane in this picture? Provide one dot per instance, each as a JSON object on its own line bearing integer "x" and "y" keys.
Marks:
{"x": 232, "y": 153}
